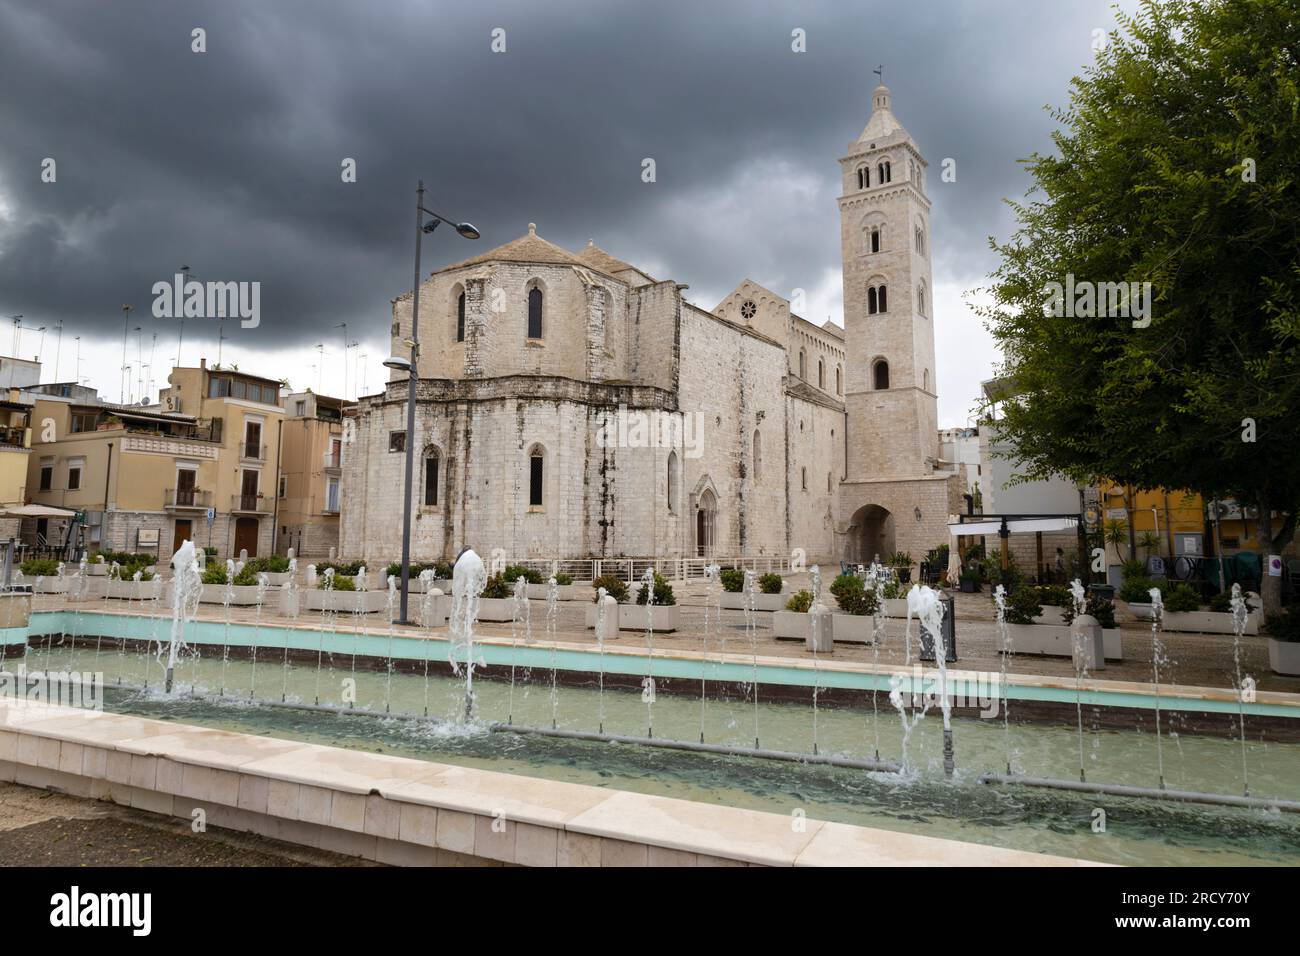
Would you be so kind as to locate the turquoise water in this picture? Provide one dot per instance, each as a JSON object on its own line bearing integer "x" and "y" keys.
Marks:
{"x": 917, "y": 801}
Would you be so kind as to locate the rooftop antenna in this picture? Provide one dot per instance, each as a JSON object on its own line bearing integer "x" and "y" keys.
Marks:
{"x": 344, "y": 327}
{"x": 880, "y": 72}
{"x": 180, "y": 335}
{"x": 58, "y": 349}
{"x": 18, "y": 322}
{"x": 126, "y": 331}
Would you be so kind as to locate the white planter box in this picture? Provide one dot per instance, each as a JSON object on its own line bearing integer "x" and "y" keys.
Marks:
{"x": 1055, "y": 640}
{"x": 134, "y": 590}
{"x": 853, "y": 628}
{"x": 241, "y": 595}
{"x": 1140, "y": 611}
{"x": 1051, "y": 615}
{"x": 343, "y": 602}
{"x": 495, "y": 609}
{"x": 796, "y": 625}
{"x": 735, "y": 601}
{"x": 1206, "y": 622}
{"x": 896, "y": 607}
{"x": 632, "y": 617}
{"x": 96, "y": 570}
{"x": 276, "y": 578}
{"x": 50, "y": 584}
{"x": 1284, "y": 657}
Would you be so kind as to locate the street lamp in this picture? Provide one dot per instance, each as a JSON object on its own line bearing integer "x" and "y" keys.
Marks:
{"x": 411, "y": 367}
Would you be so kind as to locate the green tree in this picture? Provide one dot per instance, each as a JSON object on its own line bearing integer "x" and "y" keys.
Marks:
{"x": 1176, "y": 163}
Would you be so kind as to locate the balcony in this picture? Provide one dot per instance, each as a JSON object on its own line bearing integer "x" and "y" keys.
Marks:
{"x": 333, "y": 460}
{"x": 252, "y": 451}
{"x": 249, "y": 504}
{"x": 12, "y": 437}
{"x": 180, "y": 499}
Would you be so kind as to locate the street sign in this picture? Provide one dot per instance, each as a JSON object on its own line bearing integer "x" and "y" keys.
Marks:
{"x": 212, "y": 515}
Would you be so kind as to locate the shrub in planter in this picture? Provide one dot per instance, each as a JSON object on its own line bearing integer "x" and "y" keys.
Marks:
{"x": 852, "y": 597}
{"x": 1221, "y": 603}
{"x": 894, "y": 590}
{"x": 1136, "y": 590}
{"x": 39, "y": 567}
{"x": 516, "y": 571}
{"x": 498, "y": 587}
{"x": 213, "y": 574}
{"x": 1053, "y": 595}
{"x": 1285, "y": 625}
{"x": 799, "y": 602}
{"x": 613, "y": 586}
{"x": 1099, "y": 607}
{"x": 770, "y": 584}
{"x": 969, "y": 580}
{"x": 342, "y": 582}
{"x": 246, "y": 578}
{"x": 1182, "y": 597}
{"x": 563, "y": 579}
{"x": 1023, "y": 606}
{"x": 733, "y": 580}
{"x": 663, "y": 592}
{"x": 346, "y": 568}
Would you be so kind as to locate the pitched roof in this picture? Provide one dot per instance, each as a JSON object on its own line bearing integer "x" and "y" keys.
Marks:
{"x": 601, "y": 260}
{"x": 527, "y": 248}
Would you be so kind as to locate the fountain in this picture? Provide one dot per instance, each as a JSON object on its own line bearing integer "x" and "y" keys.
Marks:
{"x": 187, "y": 587}
{"x": 468, "y": 578}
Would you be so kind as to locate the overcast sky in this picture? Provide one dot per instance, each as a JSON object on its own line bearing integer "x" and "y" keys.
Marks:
{"x": 229, "y": 161}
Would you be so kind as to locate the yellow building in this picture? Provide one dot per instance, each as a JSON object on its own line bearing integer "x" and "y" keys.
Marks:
{"x": 15, "y": 449}
{"x": 200, "y": 465}
{"x": 310, "y": 491}
{"x": 1182, "y": 522}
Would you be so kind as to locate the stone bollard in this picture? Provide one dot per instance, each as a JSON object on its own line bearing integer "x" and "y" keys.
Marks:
{"x": 610, "y": 630}
{"x": 821, "y": 630}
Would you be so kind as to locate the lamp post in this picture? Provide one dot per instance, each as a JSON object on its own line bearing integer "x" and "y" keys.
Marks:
{"x": 411, "y": 366}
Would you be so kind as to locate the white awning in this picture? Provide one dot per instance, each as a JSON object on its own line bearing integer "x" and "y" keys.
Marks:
{"x": 34, "y": 511}
{"x": 990, "y": 526}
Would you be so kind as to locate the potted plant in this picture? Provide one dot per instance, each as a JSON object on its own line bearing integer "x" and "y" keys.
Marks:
{"x": 341, "y": 596}
{"x": 969, "y": 580}
{"x": 1024, "y": 609}
{"x": 219, "y": 589}
{"x": 1184, "y": 612}
{"x": 901, "y": 562}
{"x": 663, "y": 615}
{"x": 122, "y": 583}
{"x": 853, "y": 622}
{"x": 895, "y": 594}
{"x": 614, "y": 587}
{"x": 1284, "y": 642}
{"x": 1136, "y": 593}
{"x": 497, "y": 602}
{"x": 792, "y": 623}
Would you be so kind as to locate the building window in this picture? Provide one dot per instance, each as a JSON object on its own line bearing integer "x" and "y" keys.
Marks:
{"x": 332, "y": 495}
{"x": 74, "y": 477}
{"x": 803, "y": 365}
{"x": 47, "y": 477}
{"x": 397, "y": 441}
{"x": 758, "y": 454}
{"x": 880, "y": 374}
{"x": 85, "y": 421}
{"x": 862, "y": 178}
{"x": 284, "y": 485}
{"x": 875, "y": 239}
{"x": 839, "y": 381}
{"x": 828, "y": 482}
{"x": 536, "y": 475}
{"x": 460, "y": 317}
{"x": 534, "y": 313}
{"x": 925, "y": 379}
{"x": 431, "y": 463}
{"x": 883, "y": 173}
{"x": 821, "y": 374}
{"x": 300, "y": 408}
{"x": 672, "y": 481}
{"x": 876, "y": 300}
{"x": 748, "y": 310}
{"x": 920, "y": 298}
{"x": 920, "y": 241}
{"x": 803, "y": 478}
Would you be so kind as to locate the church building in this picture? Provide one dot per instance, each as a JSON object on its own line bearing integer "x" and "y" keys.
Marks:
{"x": 570, "y": 405}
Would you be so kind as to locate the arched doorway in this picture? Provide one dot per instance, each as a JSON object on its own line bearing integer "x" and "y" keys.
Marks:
{"x": 705, "y": 514}
{"x": 870, "y": 534}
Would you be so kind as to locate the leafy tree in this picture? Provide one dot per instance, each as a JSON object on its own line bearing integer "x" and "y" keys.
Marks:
{"x": 1176, "y": 163}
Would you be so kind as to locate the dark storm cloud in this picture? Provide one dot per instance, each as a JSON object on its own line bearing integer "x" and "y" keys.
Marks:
{"x": 229, "y": 160}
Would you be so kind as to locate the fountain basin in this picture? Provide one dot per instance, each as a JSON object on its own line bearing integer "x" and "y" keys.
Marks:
{"x": 240, "y": 595}
{"x": 344, "y": 602}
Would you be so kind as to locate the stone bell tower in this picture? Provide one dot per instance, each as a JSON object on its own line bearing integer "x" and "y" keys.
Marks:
{"x": 888, "y": 301}
{"x": 891, "y": 498}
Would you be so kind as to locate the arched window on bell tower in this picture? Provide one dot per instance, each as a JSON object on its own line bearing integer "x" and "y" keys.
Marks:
{"x": 880, "y": 375}
{"x": 864, "y": 177}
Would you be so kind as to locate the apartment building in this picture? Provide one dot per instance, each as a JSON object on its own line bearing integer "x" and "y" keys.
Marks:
{"x": 310, "y": 489}
{"x": 201, "y": 464}
{"x": 15, "y": 450}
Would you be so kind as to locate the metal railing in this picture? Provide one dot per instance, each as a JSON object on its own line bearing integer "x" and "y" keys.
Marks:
{"x": 252, "y": 451}
{"x": 188, "y": 498}
{"x": 333, "y": 459}
{"x": 254, "y": 503}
